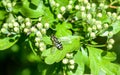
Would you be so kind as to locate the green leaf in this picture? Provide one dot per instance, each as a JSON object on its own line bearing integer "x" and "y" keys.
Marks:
{"x": 47, "y": 40}
{"x": 62, "y": 2}
{"x": 79, "y": 59}
{"x": 68, "y": 46}
{"x": 32, "y": 13}
{"x": 63, "y": 29}
{"x": 116, "y": 27}
{"x": 48, "y": 17}
{"x": 98, "y": 63}
{"x": 2, "y": 14}
{"x": 7, "y": 42}
{"x": 35, "y": 2}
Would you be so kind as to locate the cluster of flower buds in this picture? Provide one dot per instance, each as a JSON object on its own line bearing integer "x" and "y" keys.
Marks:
{"x": 69, "y": 61}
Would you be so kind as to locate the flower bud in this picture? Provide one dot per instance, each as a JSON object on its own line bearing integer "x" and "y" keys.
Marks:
{"x": 109, "y": 46}
{"x": 82, "y": 8}
{"x": 37, "y": 39}
{"x": 38, "y": 33}
{"x": 43, "y": 31}
{"x": 33, "y": 29}
{"x": 106, "y": 26}
{"x": 26, "y": 30}
{"x": 99, "y": 15}
{"x": 4, "y": 30}
{"x": 10, "y": 25}
{"x": 37, "y": 44}
{"x": 16, "y": 29}
{"x": 28, "y": 24}
{"x": 59, "y": 16}
{"x": 77, "y": 7}
{"x": 63, "y": 9}
{"x": 69, "y": 7}
{"x": 69, "y": 55}
{"x": 65, "y": 61}
{"x": 111, "y": 41}
{"x": 46, "y": 25}
{"x": 39, "y": 25}
{"x": 92, "y": 35}
{"x": 71, "y": 61}
{"x": 15, "y": 24}
{"x": 71, "y": 67}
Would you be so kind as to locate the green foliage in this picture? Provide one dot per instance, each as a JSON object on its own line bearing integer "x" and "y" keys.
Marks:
{"x": 83, "y": 28}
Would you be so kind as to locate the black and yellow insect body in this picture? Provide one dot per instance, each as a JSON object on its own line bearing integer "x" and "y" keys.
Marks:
{"x": 56, "y": 42}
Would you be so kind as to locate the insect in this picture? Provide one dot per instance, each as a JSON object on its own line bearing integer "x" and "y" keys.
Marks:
{"x": 56, "y": 42}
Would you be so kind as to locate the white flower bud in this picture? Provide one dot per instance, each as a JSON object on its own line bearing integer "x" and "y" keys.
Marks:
{"x": 83, "y": 14}
{"x": 42, "y": 48}
{"x": 111, "y": 41}
{"x": 93, "y": 21}
{"x": 88, "y": 6}
{"x": 37, "y": 39}
{"x": 109, "y": 14}
{"x": 69, "y": 55}
{"x": 41, "y": 44}
{"x": 71, "y": 61}
{"x": 46, "y": 25}
{"x": 5, "y": 25}
{"x": 89, "y": 29}
{"x": 106, "y": 25}
{"x": 57, "y": 4}
{"x": 38, "y": 33}
{"x": 65, "y": 61}
{"x": 28, "y": 24}
{"x": 26, "y": 30}
{"x": 70, "y": 1}
{"x": 4, "y": 30}
{"x": 110, "y": 34}
{"x": 109, "y": 46}
{"x": 27, "y": 19}
{"x": 69, "y": 7}
{"x": 20, "y": 18}
{"x": 114, "y": 15}
{"x": 40, "y": 18}
{"x": 33, "y": 29}
{"x": 71, "y": 66}
{"x": 85, "y": 1}
{"x": 94, "y": 27}
{"x": 93, "y": 5}
{"x": 16, "y": 29}
{"x": 37, "y": 44}
{"x": 59, "y": 16}
{"x": 39, "y": 25}
{"x": 16, "y": 24}
{"x": 43, "y": 31}
{"x": 10, "y": 25}
{"x": 9, "y": 5}
{"x": 77, "y": 7}
{"x": 101, "y": 5}
{"x": 82, "y": 8}
{"x": 62, "y": 8}
{"x": 89, "y": 16}
{"x": 22, "y": 25}
{"x": 99, "y": 15}
{"x": 92, "y": 35}
{"x": 53, "y": 3}
{"x": 118, "y": 17}
{"x": 99, "y": 26}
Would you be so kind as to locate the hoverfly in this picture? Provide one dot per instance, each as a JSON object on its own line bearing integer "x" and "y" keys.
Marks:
{"x": 56, "y": 42}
